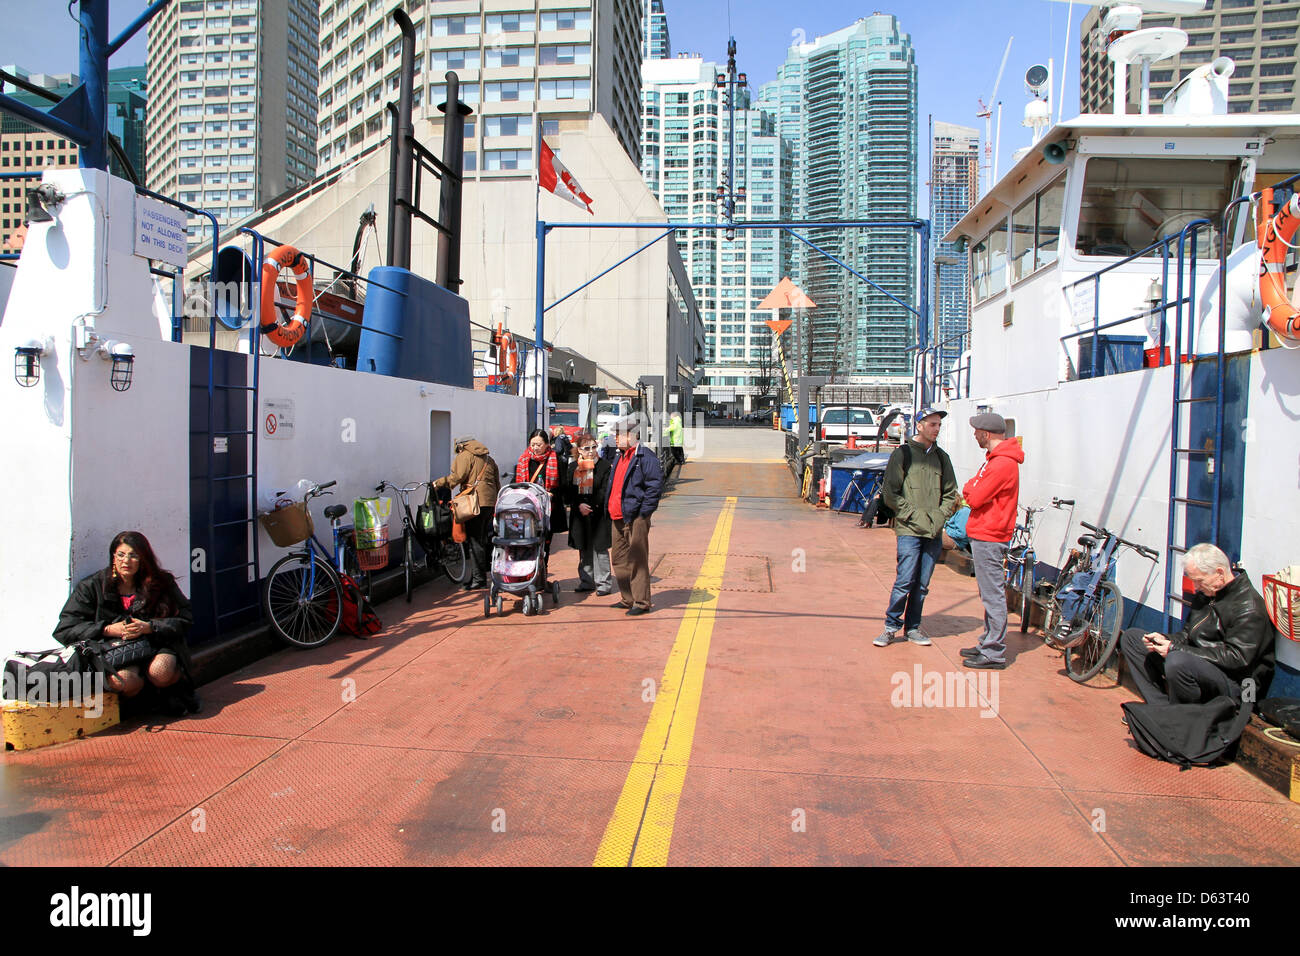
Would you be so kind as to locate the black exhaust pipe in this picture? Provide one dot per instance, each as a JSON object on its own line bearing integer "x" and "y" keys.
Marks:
{"x": 449, "y": 202}
{"x": 400, "y": 165}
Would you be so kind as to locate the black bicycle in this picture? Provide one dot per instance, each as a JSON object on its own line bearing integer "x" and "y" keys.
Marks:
{"x": 1086, "y": 610}
{"x": 441, "y": 555}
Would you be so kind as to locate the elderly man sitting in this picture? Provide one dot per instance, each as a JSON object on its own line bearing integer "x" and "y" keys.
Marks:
{"x": 1227, "y": 640}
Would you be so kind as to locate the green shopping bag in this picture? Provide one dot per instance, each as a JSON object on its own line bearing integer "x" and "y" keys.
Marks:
{"x": 370, "y": 521}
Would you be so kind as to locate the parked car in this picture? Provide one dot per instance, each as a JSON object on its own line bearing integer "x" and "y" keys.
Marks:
{"x": 838, "y": 422}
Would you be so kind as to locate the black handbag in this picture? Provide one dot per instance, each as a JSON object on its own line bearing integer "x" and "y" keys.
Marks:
{"x": 117, "y": 654}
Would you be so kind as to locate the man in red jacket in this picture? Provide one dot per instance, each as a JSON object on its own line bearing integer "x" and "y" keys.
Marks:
{"x": 992, "y": 495}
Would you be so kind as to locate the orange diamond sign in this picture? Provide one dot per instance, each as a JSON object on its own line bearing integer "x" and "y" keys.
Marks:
{"x": 787, "y": 295}
{"x": 778, "y": 326}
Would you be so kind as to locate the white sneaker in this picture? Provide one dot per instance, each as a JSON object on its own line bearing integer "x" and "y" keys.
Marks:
{"x": 916, "y": 637}
{"x": 885, "y": 637}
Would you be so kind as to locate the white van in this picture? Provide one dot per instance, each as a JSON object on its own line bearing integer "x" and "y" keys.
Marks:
{"x": 609, "y": 411}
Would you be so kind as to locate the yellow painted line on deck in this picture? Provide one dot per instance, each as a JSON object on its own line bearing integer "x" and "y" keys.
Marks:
{"x": 641, "y": 829}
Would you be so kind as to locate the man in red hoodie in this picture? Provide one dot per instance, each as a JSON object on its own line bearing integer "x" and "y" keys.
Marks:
{"x": 993, "y": 496}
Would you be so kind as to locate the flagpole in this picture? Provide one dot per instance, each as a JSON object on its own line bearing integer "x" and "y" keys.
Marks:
{"x": 539, "y": 319}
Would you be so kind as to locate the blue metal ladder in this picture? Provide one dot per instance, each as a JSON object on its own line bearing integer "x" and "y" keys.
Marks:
{"x": 1181, "y": 501}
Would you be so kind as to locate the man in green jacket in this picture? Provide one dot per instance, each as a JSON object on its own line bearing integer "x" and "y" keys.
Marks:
{"x": 920, "y": 487}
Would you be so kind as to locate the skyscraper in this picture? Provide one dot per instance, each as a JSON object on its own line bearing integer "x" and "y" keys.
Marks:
{"x": 518, "y": 67}
{"x": 848, "y": 100}
{"x": 954, "y": 187}
{"x": 232, "y": 102}
{"x": 655, "y": 44}
{"x": 1259, "y": 37}
{"x": 685, "y": 157}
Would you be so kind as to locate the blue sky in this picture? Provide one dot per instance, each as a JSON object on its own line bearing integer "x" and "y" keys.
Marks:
{"x": 958, "y": 43}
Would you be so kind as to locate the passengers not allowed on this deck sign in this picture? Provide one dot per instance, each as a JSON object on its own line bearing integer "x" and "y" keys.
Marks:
{"x": 160, "y": 232}
{"x": 277, "y": 418}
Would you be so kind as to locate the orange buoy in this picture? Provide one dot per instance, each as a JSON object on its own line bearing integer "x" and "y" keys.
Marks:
{"x": 281, "y": 333}
{"x": 1275, "y": 235}
{"x": 507, "y": 355}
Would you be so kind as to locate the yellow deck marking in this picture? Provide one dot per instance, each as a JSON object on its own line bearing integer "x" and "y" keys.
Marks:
{"x": 642, "y": 826}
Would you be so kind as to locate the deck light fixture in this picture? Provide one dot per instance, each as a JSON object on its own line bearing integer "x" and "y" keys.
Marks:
{"x": 123, "y": 363}
{"x": 27, "y": 362}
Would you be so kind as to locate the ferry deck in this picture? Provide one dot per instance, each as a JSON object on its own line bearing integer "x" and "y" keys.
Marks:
{"x": 747, "y": 721}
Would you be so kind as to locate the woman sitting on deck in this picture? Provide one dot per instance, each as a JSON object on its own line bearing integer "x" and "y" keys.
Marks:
{"x": 135, "y": 600}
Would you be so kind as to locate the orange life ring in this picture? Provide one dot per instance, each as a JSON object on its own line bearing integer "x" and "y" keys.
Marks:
{"x": 280, "y": 333}
{"x": 507, "y": 355}
{"x": 1274, "y": 235}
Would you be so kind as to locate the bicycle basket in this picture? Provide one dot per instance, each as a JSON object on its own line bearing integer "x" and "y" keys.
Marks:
{"x": 373, "y": 559}
{"x": 1282, "y": 599}
{"x": 288, "y": 526}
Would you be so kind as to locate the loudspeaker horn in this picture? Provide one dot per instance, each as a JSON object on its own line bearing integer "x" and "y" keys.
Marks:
{"x": 1055, "y": 153}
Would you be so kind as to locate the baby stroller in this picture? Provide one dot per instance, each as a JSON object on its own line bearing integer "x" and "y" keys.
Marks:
{"x": 522, "y": 520}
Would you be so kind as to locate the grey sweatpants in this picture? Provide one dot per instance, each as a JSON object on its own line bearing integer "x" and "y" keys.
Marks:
{"x": 991, "y": 575}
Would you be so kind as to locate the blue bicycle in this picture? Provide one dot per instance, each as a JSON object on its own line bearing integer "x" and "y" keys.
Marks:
{"x": 303, "y": 596}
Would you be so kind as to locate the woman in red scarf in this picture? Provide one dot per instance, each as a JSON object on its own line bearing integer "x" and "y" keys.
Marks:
{"x": 539, "y": 465}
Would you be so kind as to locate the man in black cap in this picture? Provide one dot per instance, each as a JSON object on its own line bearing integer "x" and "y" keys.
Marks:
{"x": 993, "y": 495}
{"x": 921, "y": 489}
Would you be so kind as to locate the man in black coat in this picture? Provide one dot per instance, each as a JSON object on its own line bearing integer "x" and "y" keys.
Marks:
{"x": 1227, "y": 641}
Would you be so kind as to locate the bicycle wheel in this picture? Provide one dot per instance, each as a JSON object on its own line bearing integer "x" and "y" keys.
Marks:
{"x": 409, "y": 565}
{"x": 451, "y": 555}
{"x": 1085, "y": 660}
{"x": 1026, "y": 590}
{"x": 303, "y": 600}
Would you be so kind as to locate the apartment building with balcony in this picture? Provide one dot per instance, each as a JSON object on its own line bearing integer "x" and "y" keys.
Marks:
{"x": 954, "y": 187}
{"x": 232, "y": 102}
{"x": 686, "y": 143}
{"x": 848, "y": 101}
{"x": 655, "y": 44}
{"x": 523, "y": 66}
{"x": 1260, "y": 36}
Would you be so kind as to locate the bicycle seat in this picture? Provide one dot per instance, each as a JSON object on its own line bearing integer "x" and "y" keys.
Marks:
{"x": 1088, "y": 541}
{"x": 335, "y": 511}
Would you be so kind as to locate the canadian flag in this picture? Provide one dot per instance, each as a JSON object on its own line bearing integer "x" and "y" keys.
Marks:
{"x": 554, "y": 177}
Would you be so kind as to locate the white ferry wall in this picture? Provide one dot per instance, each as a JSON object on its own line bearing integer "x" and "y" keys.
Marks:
{"x": 86, "y": 461}
{"x": 1105, "y": 441}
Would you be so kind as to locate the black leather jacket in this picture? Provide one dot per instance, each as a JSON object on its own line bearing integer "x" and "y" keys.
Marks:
{"x": 1232, "y": 631}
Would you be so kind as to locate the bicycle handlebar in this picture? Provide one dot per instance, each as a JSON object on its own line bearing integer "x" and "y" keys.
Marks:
{"x": 1062, "y": 502}
{"x": 1140, "y": 549}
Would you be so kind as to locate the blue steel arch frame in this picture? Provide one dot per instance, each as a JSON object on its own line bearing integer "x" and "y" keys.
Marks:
{"x": 920, "y": 387}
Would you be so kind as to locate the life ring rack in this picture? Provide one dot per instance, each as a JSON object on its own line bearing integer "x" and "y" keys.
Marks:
{"x": 507, "y": 355}
{"x": 277, "y": 331}
{"x": 1275, "y": 234}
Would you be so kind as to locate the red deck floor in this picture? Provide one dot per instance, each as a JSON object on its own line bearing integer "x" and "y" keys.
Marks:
{"x": 455, "y": 739}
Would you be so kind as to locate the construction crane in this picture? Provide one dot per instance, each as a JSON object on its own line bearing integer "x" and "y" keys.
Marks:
{"x": 986, "y": 113}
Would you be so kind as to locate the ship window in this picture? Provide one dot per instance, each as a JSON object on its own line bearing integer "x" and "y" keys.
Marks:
{"x": 1129, "y": 203}
{"x": 1050, "y": 203}
{"x": 1022, "y": 241}
{"x": 988, "y": 263}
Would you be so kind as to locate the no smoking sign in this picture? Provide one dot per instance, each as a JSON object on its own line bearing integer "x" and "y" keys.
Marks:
{"x": 278, "y": 420}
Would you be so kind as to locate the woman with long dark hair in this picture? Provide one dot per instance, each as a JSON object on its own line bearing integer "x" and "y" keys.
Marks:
{"x": 133, "y": 599}
{"x": 540, "y": 465}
